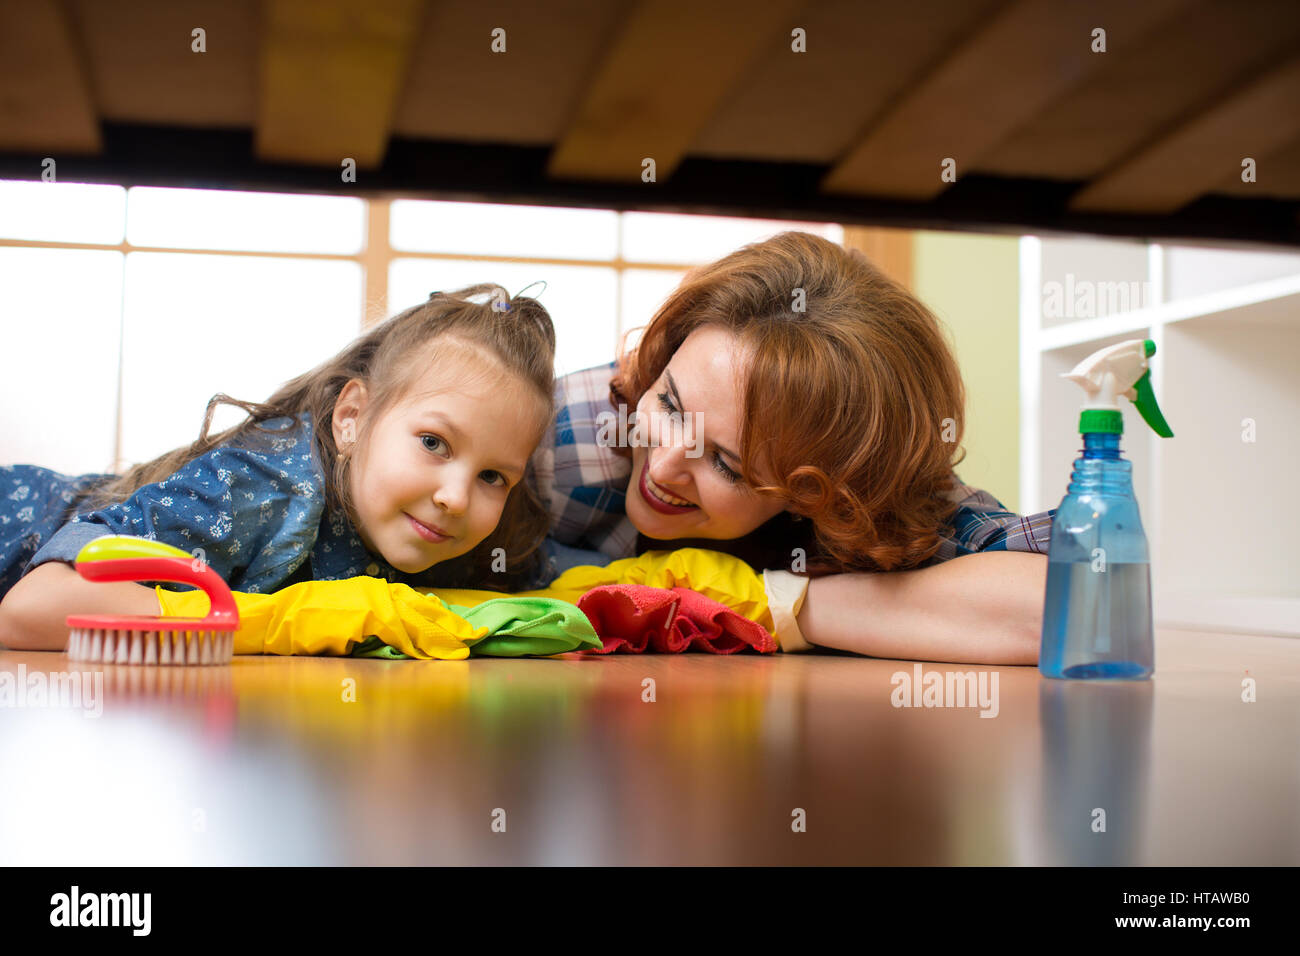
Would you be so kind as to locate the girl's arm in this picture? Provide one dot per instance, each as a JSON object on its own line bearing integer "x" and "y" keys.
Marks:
{"x": 33, "y": 613}
{"x": 984, "y": 608}
{"x": 244, "y": 510}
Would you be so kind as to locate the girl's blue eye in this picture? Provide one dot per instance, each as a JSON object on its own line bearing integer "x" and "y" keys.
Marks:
{"x": 440, "y": 447}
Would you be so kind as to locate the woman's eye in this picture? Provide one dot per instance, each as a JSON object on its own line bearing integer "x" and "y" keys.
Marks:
{"x": 723, "y": 470}
{"x": 667, "y": 405}
{"x": 493, "y": 477}
{"x": 439, "y": 446}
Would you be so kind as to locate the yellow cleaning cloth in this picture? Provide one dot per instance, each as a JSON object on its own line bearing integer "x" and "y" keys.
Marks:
{"x": 330, "y": 617}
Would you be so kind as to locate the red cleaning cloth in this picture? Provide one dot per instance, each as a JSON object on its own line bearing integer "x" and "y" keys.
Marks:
{"x": 634, "y": 618}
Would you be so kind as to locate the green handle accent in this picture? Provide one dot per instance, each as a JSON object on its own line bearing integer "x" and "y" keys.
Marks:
{"x": 1147, "y": 407}
{"x": 115, "y": 546}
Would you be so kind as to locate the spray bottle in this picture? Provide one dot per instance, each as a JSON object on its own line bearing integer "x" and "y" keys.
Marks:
{"x": 1097, "y": 614}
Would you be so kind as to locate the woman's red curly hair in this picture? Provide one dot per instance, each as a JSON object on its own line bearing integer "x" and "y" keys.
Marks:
{"x": 855, "y": 404}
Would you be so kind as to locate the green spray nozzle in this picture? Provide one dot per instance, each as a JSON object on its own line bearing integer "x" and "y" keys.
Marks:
{"x": 1114, "y": 371}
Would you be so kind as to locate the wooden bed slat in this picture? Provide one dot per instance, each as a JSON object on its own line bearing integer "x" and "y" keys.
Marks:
{"x": 669, "y": 68}
{"x": 332, "y": 71}
{"x": 1205, "y": 151}
{"x": 45, "y": 99}
{"x": 1029, "y": 54}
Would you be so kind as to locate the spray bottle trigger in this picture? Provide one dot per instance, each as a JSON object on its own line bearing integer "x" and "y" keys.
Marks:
{"x": 1146, "y": 405}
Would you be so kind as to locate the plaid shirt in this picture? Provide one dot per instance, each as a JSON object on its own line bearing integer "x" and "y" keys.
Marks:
{"x": 585, "y": 482}
{"x": 586, "y": 485}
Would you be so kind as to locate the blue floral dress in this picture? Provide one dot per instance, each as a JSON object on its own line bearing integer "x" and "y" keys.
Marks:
{"x": 35, "y": 502}
{"x": 254, "y": 511}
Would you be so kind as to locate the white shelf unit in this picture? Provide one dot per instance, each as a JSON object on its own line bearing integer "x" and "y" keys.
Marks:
{"x": 1218, "y": 499}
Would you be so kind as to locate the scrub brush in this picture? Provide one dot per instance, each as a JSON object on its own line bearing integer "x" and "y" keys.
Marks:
{"x": 152, "y": 639}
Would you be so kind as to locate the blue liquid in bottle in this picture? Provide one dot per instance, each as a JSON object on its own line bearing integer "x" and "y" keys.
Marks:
{"x": 1097, "y": 612}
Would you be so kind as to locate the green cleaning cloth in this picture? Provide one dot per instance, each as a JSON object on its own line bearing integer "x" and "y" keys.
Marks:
{"x": 517, "y": 627}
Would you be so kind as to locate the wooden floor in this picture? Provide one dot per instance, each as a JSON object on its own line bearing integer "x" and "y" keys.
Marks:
{"x": 268, "y": 761}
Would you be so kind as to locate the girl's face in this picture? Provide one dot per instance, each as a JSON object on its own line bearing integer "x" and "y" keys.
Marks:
{"x": 430, "y": 477}
{"x": 687, "y": 485}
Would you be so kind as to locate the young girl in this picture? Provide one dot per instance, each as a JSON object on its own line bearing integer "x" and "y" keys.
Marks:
{"x": 406, "y": 450}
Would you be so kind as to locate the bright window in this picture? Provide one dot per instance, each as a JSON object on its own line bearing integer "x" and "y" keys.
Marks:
{"x": 143, "y": 303}
{"x": 581, "y": 299}
{"x": 486, "y": 229}
{"x": 247, "y": 222}
{"x": 243, "y": 325}
{"x": 667, "y": 237}
{"x": 61, "y": 212}
{"x": 58, "y": 396}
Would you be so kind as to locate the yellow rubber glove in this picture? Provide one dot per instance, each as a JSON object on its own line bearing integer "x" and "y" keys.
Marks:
{"x": 719, "y": 577}
{"x": 330, "y": 617}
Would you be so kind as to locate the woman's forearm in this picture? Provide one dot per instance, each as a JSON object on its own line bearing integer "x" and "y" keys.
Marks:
{"x": 984, "y": 608}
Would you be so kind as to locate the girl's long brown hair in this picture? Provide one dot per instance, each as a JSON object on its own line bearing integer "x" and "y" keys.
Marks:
{"x": 388, "y": 358}
{"x": 855, "y": 405}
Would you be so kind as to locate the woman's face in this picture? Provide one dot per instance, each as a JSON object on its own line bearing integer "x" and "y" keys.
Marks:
{"x": 688, "y": 484}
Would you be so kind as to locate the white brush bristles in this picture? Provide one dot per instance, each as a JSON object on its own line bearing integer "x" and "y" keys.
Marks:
{"x": 151, "y": 648}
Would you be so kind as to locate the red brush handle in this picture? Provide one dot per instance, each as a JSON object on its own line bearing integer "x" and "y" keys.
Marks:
{"x": 222, "y": 616}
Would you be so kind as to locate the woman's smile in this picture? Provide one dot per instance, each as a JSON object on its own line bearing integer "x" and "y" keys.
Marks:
{"x": 659, "y": 499}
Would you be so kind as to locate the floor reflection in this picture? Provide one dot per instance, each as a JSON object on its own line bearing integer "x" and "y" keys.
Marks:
{"x": 1096, "y": 763}
{"x": 334, "y": 760}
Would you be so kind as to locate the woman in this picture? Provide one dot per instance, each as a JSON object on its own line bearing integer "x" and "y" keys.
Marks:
{"x": 792, "y": 405}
